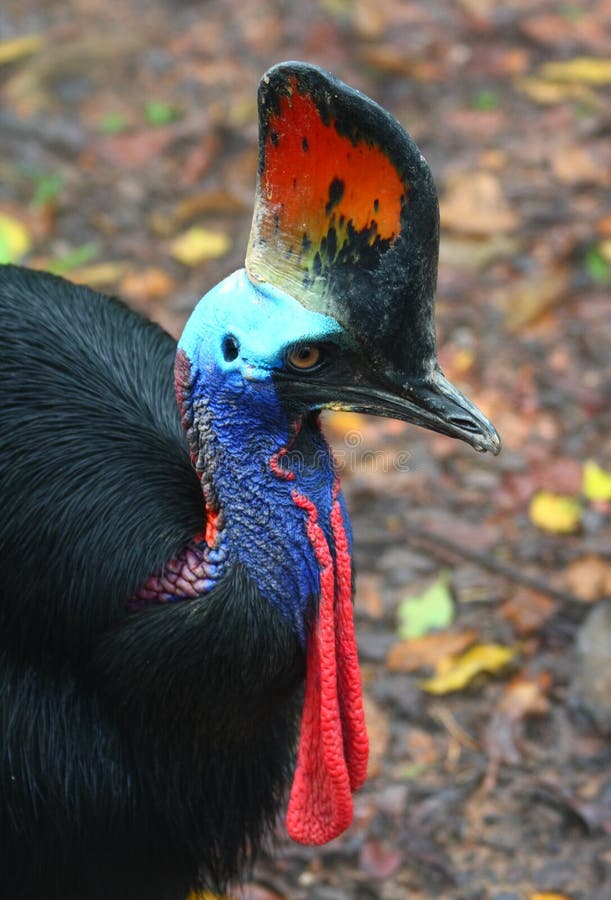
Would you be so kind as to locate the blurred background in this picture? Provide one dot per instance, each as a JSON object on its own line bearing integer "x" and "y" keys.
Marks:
{"x": 128, "y": 151}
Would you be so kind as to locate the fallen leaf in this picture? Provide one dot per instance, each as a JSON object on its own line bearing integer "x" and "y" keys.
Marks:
{"x": 147, "y": 284}
{"x": 473, "y": 253}
{"x": 521, "y": 699}
{"x": 99, "y": 274}
{"x": 74, "y": 258}
{"x": 582, "y": 69}
{"x": 556, "y": 513}
{"x": 17, "y": 48}
{"x": 525, "y": 299}
{"x": 369, "y": 596}
{"x": 582, "y": 163}
{"x": 378, "y": 729}
{"x": 458, "y": 672}
{"x": 426, "y": 651}
{"x": 15, "y": 239}
{"x": 596, "y": 482}
{"x": 379, "y": 859}
{"x": 526, "y": 611}
{"x": 197, "y": 244}
{"x": 420, "y": 614}
{"x": 474, "y": 203}
{"x": 589, "y": 577}
{"x": 546, "y": 895}
{"x": 157, "y": 112}
{"x": 549, "y": 92}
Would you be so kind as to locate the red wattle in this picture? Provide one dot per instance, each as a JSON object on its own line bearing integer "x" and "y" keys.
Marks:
{"x": 333, "y": 746}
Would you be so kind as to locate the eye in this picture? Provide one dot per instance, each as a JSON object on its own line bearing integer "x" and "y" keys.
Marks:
{"x": 230, "y": 348}
{"x": 304, "y": 357}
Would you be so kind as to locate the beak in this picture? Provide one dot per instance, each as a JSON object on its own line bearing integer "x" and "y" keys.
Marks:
{"x": 432, "y": 403}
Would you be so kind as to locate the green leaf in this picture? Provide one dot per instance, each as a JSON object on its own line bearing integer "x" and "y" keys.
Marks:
{"x": 486, "y": 100}
{"x": 78, "y": 256}
{"x": 420, "y": 614}
{"x": 597, "y": 266}
{"x": 48, "y": 187}
{"x": 113, "y": 123}
{"x": 159, "y": 113}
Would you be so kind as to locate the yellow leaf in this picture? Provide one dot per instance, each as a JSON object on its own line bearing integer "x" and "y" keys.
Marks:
{"x": 547, "y": 895}
{"x": 555, "y": 512}
{"x": 457, "y": 672}
{"x": 206, "y": 895}
{"x": 550, "y": 92}
{"x": 16, "y": 48}
{"x": 14, "y": 239}
{"x": 198, "y": 244}
{"x": 583, "y": 69}
{"x": 596, "y": 482}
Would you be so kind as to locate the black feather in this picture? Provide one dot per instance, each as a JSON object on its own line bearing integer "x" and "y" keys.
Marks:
{"x": 141, "y": 754}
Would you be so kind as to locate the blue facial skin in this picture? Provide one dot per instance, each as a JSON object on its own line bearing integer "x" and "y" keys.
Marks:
{"x": 235, "y": 340}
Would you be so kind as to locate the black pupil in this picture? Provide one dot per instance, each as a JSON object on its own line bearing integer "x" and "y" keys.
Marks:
{"x": 231, "y": 348}
{"x": 305, "y": 353}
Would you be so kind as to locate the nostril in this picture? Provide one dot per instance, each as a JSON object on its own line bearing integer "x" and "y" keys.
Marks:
{"x": 230, "y": 348}
{"x": 465, "y": 424}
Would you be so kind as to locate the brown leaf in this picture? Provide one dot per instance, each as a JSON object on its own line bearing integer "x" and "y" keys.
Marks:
{"x": 378, "y": 729}
{"x": 589, "y": 577}
{"x": 526, "y": 611}
{"x": 369, "y": 596}
{"x": 378, "y": 859}
{"x": 525, "y": 299}
{"x": 474, "y": 203}
{"x": 426, "y": 652}
{"x": 145, "y": 285}
{"x": 136, "y": 149}
{"x": 523, "y": 698}
{"x": 584, "y": 163}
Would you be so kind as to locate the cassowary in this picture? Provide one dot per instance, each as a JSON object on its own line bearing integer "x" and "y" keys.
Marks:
{"x": 176, "y": 637}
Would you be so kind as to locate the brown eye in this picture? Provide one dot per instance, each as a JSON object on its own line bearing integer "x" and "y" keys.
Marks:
{"x": 303, "y": 357}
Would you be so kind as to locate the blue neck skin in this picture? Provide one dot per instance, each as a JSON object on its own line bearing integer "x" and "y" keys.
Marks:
{"x": 250, "y": 457}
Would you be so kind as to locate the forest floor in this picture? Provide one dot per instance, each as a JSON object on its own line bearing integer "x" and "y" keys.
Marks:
{"x": 128, "y": 150}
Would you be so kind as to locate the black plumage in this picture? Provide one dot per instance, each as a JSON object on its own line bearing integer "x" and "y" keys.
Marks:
{"x": 134, "y": 748}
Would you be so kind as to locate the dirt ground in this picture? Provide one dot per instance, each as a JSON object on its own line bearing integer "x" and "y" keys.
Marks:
{"x": 127, "y": 160}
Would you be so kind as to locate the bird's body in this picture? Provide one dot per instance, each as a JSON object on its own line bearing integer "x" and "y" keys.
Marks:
{"x": 176, "y": 572}
{"x": 133, "y": 752}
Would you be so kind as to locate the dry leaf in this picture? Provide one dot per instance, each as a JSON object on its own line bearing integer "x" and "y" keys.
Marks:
{"x": 197, "y": 244}
{"x": 596, "y": 482}
{"x": 549, "y": 92}
{"x": 458, "y": 672}
{"x": 583, "y": 163}
{"x": 473, "y": 253}
{"x": 427, "y": 651}
{"x": 98, "y": 274}
{"x": 378, "y": 729}
{"x": 474, "y": 203}
{"x": 522, "y": 698}
{"x": 556, "y": 513}
{"x": 526, "y": 611}
{"x": 145, "y": 285}
{"x": 525, "y": 299}
{"x": 589, "y": 577}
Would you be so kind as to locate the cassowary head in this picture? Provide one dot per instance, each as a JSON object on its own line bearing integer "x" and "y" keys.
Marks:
{"x": 334, "y": 310}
